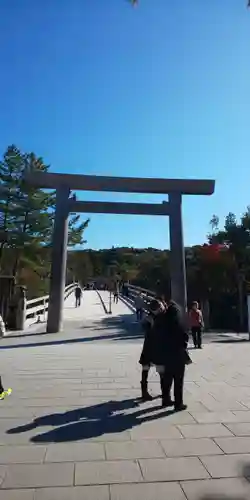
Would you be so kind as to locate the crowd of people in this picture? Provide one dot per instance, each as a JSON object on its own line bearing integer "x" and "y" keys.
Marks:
{"x": 165, "y": 347}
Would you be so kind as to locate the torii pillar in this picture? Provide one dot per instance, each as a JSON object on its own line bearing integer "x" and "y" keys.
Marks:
{"x": 58, "y": 261}
{"x": 175, "y": 188}
{"x": 177, "y": 252}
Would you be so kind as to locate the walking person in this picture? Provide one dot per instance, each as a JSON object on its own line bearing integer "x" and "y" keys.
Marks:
{"x": 174, "y": 356}
{"x": 196, "y": 324}
{"x": 116, "y": 292}
{"x": 78, "y": 295}
{"x": 139, "y": 307}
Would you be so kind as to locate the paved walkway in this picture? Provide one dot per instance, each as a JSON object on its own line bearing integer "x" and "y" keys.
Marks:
{"x": 91, "y": 306}
{"x": 73, "y": 428}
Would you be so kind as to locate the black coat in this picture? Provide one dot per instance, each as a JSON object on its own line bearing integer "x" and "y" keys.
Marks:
{"x": 154, "y": 329}
{"x": 173, "y": 341}
{"x": 166, "y": 339}
{"x": 146, "y": 354}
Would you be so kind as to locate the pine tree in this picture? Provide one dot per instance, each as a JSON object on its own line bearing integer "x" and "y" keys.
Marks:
{"x": 27, "y": 212}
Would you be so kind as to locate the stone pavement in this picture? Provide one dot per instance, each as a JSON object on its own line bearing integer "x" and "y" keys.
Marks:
{"x": 74, "y": 428}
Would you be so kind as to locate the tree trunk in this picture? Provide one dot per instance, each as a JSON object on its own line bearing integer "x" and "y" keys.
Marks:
{"x": 19, "y": 251}
{"x": 4, "y": 226}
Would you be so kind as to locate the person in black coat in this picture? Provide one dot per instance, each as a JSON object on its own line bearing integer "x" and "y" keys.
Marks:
{"x": 155, "y": 330}
{"x": 78, "y": 295}
{"x": 172, "y": 353}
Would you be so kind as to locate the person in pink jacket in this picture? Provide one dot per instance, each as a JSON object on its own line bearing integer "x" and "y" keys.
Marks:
{"x": 196, "y": 324}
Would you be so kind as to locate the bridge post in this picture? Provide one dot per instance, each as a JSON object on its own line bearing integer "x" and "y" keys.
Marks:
{"x": 177, "y": 251}
{"x": 59, "y": 259}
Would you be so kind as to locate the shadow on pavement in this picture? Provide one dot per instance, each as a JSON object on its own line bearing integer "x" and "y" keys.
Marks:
{"x": 125, "y": 323}
{"x": 221, "y": 497}
{"x": 103, "y": 419}
{"x": 230, "y": 341}
{"x": 91, "y": 422}
{"x": 125, "y": 326}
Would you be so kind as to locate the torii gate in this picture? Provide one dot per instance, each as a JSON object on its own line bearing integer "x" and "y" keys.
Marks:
{"x": 64, "y": 183}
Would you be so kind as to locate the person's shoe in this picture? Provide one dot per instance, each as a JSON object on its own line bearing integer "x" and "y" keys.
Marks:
{"x": 145, "y": 396}
{"x": 5, "y": 393}
{"x": 181, "y": 407}
{"x": 199, "y": 346}
{"x": 166, "y": 403}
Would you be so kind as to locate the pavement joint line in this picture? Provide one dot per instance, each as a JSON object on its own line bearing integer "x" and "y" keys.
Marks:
{"x": 117, "y": 362}
{"x": 109, "y": 491}
{"x": 140, "y": 467}
{"x": 233, "y": 435}
{"x": 199, "y": 458}
{"x": 182, "y": 489}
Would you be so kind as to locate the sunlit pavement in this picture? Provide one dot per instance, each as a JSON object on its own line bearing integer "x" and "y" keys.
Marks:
{"x": 74, "y": 428}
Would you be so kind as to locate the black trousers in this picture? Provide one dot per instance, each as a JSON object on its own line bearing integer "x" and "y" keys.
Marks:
{"x": 78, "y": 301}
{"x": 197, "y": 335}
{"x": 144, "y": 376}
{"x": 1, "y": 386}
{"x": 174, "y": 375}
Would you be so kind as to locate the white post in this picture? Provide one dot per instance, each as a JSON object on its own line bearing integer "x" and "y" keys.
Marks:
{"x": 110, "y": 299}
{"x": 44, "y": 310}
{"x": 21, "y": 309}
{"x": 248, "y": 314}
{"x": 2, "y": 327}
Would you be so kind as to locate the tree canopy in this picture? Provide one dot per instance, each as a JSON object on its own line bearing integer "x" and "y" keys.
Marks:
{"x": 218, "y": 271}
{"x": 27, "y": 217}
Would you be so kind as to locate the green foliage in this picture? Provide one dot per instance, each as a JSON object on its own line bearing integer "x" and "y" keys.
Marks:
{"x": 79, "y": 266}
{"x": 219, "y": 280}
{"x": 27, "y": 216}
{"x": 236, "y": 236}
{"x": 26, "y": 225}
{"x": 76, "y": 231}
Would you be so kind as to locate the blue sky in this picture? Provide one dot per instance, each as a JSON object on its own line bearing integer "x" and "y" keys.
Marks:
{"x": 161, "y": 90}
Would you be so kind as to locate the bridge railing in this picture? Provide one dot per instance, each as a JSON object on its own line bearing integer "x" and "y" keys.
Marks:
{"x": 134, "y": 291}
{"x": 39, "y": 306}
